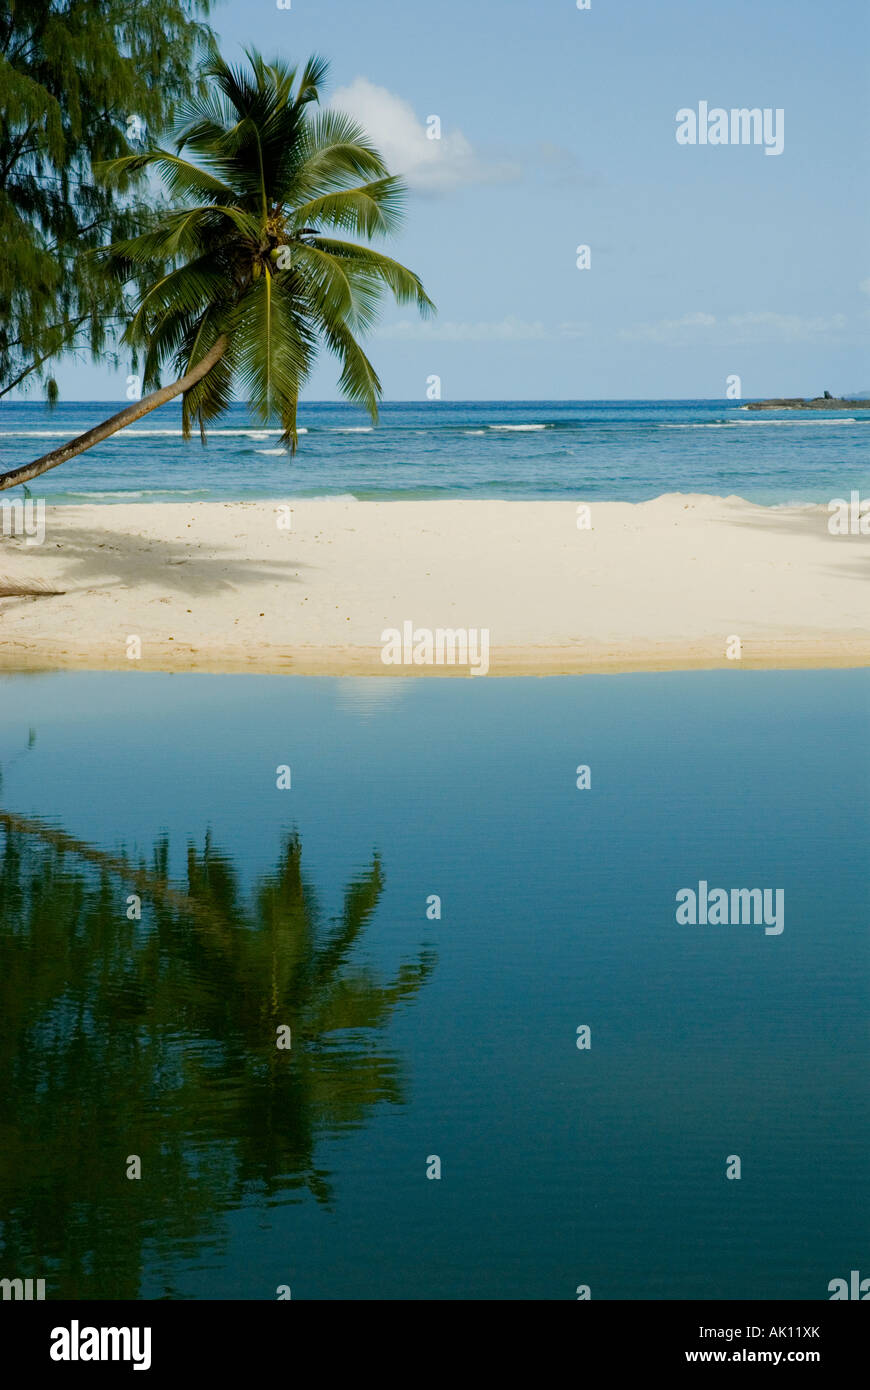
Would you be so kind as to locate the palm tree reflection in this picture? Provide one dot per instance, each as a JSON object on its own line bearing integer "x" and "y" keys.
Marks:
{"x": 157, "y": 1037}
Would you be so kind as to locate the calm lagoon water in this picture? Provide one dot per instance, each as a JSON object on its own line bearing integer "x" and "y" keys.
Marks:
{"x": 414, "y": 1037}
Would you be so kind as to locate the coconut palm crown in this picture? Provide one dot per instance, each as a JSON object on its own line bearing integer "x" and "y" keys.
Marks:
{"x": 252, "y": 274}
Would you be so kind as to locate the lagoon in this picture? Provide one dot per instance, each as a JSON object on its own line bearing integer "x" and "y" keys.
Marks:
{"x": 416, "y": 1036}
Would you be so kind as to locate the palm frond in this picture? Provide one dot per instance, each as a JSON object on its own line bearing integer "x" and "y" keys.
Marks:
{"x": 313, "y": 77}
{"x": 212, "y": 395}
{"x": 406, "y": 287}
{"x": 189, "y": 289}
{"x": 358, "y": 381}
{"x": 184, "y": 233}
{"x": 332, "y": 152}
{"x": 373, "y": 209}
{"x": 182, "y": 178}
{"x": 276, "y": 348}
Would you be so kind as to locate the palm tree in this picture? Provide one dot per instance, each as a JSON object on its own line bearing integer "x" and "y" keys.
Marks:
{"x": 248, "y": 280}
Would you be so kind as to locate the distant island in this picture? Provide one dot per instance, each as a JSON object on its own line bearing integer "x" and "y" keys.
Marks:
{"x": 825, "y": 402}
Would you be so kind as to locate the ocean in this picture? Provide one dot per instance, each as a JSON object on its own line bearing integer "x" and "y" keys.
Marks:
{"x": 613, "y": 450}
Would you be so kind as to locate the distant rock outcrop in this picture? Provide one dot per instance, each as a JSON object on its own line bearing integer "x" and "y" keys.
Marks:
{"x": 825, "y": 402}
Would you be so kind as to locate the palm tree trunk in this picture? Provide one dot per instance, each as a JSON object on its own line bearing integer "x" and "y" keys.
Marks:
{"x": 26, "y": 471}
{"x": 146, "y": 881}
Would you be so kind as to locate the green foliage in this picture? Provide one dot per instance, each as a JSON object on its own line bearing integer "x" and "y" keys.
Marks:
{"x": 74, "y": 77}
{"x": 159, "y": 1036}
{"x": 246, "y": 254}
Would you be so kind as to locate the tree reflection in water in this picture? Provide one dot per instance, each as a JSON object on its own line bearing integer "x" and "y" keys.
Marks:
{"x": 158, "y": 1038}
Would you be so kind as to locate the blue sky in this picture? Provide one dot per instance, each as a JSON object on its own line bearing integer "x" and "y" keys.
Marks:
{"x": 558, "y": 129}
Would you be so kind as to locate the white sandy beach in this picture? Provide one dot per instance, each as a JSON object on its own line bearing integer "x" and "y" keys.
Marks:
{"x": 218, "y": 586}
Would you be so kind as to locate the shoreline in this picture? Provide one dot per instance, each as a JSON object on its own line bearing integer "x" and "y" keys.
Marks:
{"x": 537, "y": 662}
{"x": 220, "y": 587}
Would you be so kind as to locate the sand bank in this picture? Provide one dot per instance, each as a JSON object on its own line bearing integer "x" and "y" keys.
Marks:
{"x": 221, "y": 587}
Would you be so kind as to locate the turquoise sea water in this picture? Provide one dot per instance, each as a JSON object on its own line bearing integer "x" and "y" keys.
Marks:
{"x": 413, "y": 1036}
{"x": 618, "y": 450}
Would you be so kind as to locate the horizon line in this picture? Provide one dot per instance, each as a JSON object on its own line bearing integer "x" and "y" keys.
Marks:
{"x": 464, "y": 400}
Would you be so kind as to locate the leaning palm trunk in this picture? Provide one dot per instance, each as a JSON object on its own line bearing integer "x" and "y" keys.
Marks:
{"x": 254, "y": 256}
{"x": 26, "y": 471}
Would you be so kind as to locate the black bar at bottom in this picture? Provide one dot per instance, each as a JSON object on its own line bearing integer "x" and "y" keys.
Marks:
{"x": 247, "y": 1338}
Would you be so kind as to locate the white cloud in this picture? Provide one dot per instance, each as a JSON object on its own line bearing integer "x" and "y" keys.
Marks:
{"x": 787, "y": 328}
{"x": 864, "y": 286}
{"x": 735, "y": 328}
{"x": 506, "y": 330}
{"x": 667, "y": 330}
{"x": 432, "y": 166}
